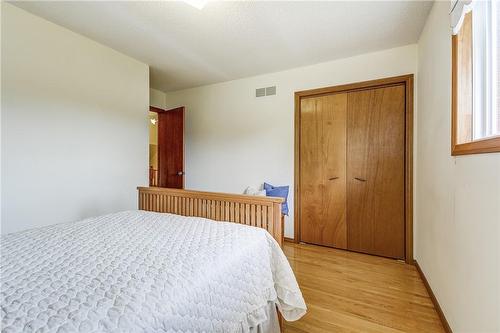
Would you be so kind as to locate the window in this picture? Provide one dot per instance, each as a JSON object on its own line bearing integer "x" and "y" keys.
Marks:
{"x": 476, "y": 77}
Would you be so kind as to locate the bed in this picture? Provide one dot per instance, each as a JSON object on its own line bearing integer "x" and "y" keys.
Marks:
{"x": 167, "y": 267}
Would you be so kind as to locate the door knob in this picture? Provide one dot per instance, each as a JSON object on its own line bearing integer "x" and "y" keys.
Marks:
{"x": 180, "y": 173}
{"x": 360, "y": 179}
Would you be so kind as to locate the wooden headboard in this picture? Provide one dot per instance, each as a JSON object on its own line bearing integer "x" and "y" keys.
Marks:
{"x": 257, "y": 211}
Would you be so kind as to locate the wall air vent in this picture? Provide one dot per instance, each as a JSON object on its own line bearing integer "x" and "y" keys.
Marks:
{"x": 260, "y": 92}
{"x": 268, "y": 91}
{"x": 271, "y": 91}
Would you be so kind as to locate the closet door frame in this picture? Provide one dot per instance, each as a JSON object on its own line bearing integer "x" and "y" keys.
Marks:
{"x": 407, "y": 80}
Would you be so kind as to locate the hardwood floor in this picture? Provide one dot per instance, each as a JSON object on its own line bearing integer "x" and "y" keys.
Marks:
{"x": 352, "y": 292}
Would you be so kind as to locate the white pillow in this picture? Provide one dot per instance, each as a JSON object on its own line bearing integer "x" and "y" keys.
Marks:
{"x": 252, "y": 191}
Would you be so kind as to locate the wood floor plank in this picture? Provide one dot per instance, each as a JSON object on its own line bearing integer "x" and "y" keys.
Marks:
{"x": 353, "y": 292}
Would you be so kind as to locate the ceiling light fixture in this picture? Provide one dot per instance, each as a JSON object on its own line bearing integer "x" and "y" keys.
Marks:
{"x": 198, "y": 4}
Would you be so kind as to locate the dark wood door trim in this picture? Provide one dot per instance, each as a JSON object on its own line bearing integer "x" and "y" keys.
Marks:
{"x": 155, "y": 109}
{"x": 181, "y": 109}
{"x": 407, "y": 80}
{"x": 158, "y": 110}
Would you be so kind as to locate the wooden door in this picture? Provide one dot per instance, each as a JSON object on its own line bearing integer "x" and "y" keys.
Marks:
{"x": 323, "y": 170}
{"x": 171, "y": 148}
{"x": 375, "y": 171}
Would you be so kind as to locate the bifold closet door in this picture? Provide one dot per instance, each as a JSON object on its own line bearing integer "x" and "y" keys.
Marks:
{"x": 323, "y": 170}
{"x": 375, "y": 171}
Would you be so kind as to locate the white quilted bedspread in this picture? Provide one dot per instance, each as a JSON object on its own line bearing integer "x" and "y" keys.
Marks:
{"x": 140, "y": 271}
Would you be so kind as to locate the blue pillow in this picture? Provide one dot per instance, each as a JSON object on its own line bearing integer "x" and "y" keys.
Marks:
{"x": 278, "y": 191}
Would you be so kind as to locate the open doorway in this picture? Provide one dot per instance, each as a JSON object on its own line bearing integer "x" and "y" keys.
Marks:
{"x": 166, "y": 147}
{"x": 153, "y": 148}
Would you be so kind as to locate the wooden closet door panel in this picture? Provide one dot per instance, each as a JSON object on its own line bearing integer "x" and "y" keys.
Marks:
{"x": 323, "y": 170}
{"x": 375, "y": 171}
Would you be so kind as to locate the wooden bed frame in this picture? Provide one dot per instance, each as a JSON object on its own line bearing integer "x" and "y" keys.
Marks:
{"x": 258, "y": 211}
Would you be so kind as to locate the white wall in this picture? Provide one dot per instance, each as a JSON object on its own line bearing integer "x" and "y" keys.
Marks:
{"x": 234, "y": 139}
{"x": 457, "y": 236}
{"x": 74, "y": 124}
{"x": 157, "y": 98}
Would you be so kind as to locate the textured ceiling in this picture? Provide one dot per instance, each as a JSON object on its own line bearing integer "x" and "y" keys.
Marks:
{"x": 187, "y": 47}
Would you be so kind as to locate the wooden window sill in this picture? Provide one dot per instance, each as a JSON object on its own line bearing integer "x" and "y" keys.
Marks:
{"x": 486, "y": 145}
